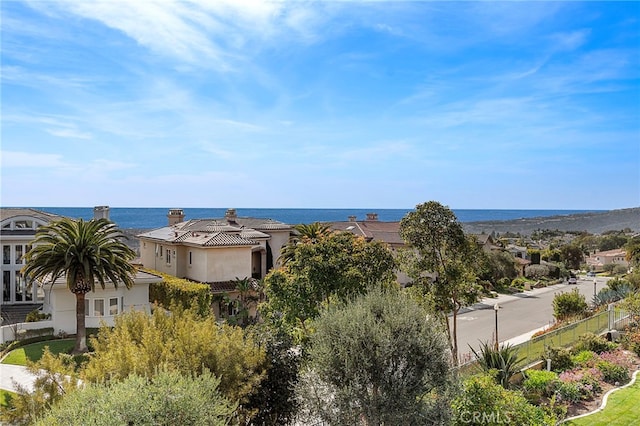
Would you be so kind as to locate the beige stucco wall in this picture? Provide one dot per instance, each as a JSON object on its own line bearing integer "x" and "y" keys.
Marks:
{"x": 61, "y": 304}
{"x": 228, "y": 263}
{"x": 152, "y": 259}
{"x": 278, "y": 240}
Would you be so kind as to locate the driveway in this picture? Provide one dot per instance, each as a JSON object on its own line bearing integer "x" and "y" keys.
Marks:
{"x": 15, "y": 373}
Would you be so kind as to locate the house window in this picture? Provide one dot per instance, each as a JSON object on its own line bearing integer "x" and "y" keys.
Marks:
{"x": 19, "y": 254}
{"x": 168, "y": 257}
{"x": 189, "y": 258}
{"x": 113, "y": 306}
{"x": 6, "y": 286}
{"x": 160, "y": 251}
{"x": 86, "y": 307}
{"x": 6, "y": 254}
{"x": 23, "y": 224}
{"x": 98, "y": 308}
{"x": 19, "y": 286}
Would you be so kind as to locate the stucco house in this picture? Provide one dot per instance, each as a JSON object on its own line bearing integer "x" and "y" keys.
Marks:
{"x": 598, "y": 260}
{"x": 216, "y": 251}
{"x": 18, "y": 227}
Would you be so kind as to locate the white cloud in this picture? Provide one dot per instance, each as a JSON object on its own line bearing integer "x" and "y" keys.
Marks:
{"x": 17, "y": 159}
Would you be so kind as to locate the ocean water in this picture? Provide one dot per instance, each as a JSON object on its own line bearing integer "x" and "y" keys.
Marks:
{"x": 136, "y": 217}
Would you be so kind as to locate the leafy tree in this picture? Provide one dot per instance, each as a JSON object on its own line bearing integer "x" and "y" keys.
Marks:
{"x": 274, "y": 400}
{"x": 569, "y": 304}
{"x": 572, "y": 255}
{"x": 337, "y": 266}
{"x": 167, "y": 398}
{"x": 85, "y": 253}
{"x": 442, "y": 260}
{"x": 631, "y": 304}
{"x": 497, "y": 265}
{"x": 632, "y": 249}
{"x": 378, "y": 360}
{"x": 612, "y": 241}
{"x": 179, "y": 340}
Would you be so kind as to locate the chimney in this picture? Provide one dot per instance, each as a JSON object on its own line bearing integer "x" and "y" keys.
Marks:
{"x": 175, "y": 216}
{"x": 352, "y": 218}
{"x": 372, "y": 216}
{"x": 231, "y": 216}
{"x": 101, "y": 212}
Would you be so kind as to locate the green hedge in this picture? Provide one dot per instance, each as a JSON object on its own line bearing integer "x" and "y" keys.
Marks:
{"x": 187, "y": 294}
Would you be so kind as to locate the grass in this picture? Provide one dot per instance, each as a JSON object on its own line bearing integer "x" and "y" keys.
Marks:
{"x": 33, "y": 352}
{"x": 622, "y": 409}
{"x": 5, "y": 397}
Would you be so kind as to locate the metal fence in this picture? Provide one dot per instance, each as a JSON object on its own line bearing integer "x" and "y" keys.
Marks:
{"x": 532, "y": 350}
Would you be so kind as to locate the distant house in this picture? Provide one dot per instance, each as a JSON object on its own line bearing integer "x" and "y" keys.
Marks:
{"x": 486, "y": 242}
{"x": 218, "y": 252}
{"x": 598, "y": 260}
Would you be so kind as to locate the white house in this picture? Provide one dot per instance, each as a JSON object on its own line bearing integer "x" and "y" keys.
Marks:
{"x": 598, "y": 260}
{"x": 17, "y": 229}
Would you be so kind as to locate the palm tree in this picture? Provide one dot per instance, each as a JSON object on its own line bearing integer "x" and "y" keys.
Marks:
{"x": 311, "y": 233}
{"x": 85, "y": 253}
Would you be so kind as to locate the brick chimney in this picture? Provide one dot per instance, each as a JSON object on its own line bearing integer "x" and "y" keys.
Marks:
{"x": 352, "y": 218}
{"x": 372, "y": 216}
{"x": 101, "y": 212}
{"x": 175, "y": 216}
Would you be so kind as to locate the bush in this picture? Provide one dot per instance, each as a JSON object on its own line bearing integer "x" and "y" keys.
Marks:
{"x": 584, "y": 358}
{"x": 483, "y": 401}
{"x": 585, "y": 380}
{"x": 504, "y": 361}
{"x": 593, "y": 343}
{"x": 539, "y": 383}
{"x": 184, "y": 293}
{"x": 560, "y": 358}
{"x": 569, "y": 392}
{"x": 536, "y": 271}
{"x": 36, "y": 315}
{"x": 568, "y": 305}
{"x": 612, "y": 373}
{"x": 631, "y": 341}
{"x": 503, "y": 283}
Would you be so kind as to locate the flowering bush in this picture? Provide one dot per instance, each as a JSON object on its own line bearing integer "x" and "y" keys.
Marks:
{"x": 584, "y": 359}
{"x": 586, "y": 381}
{"x": 539, "y": 383}
{"x": 615, "y": 366}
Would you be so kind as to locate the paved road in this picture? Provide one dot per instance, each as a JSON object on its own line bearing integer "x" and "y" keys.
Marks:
{"x": 519, "y": 315}
{"x": 9, "y": 374}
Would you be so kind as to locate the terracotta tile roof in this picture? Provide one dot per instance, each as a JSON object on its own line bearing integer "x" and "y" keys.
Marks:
{"x": 372, "y": 230}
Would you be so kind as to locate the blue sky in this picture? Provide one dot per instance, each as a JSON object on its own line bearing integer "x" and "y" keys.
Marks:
{"x": 323, "y": 104}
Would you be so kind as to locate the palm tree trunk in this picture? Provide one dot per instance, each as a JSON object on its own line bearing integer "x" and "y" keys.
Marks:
{"x": 81, "y": 332}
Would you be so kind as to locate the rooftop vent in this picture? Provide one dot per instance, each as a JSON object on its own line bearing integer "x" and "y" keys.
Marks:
{"x": 101, "y": 212}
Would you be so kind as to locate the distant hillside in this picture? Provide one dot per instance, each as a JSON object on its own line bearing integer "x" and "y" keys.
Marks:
{"x": 594, "y": 223}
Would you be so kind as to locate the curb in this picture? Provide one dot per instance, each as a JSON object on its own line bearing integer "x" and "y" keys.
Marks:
{"x": 604, "y": 399}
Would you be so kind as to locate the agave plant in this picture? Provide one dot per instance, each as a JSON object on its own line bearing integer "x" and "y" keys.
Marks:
{"x": 609, "y": 295}
{"x": 504, "y": 360}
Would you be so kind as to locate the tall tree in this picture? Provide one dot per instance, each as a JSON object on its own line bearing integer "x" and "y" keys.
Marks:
{"x": 380, "y": 360}
{"x": 85, "y": 253}
{"x": 442, "y": 260}
{"x": 336, "y": 266}
{"x": 307, "y": 233}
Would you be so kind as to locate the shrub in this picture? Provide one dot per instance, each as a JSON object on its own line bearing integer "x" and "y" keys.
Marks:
{"x": 631, "y": 341}
{"x": 184, "y": 293}
{"x": 571, "y": 304}
{"x": 569, "y": 391}
{"x": 36, "y": 315}
{"x": 612, "y": 373}
{"x": 536, "y": 271}
{"x": 483, "y": 401}
{"x": 503, "y": 283}
{"x": 593, "y": 343}
{"x": 560, "y": 358}
{"x": 584, "y": 358}
{"x": 586, "y": 381}
{"x": 504, "y": 360}
{"x": 539, "y": 383}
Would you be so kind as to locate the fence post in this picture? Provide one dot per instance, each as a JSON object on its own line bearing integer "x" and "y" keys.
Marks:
{"x": 611, "y": 316}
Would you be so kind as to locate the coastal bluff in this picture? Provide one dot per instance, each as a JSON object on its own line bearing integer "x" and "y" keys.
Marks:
{"x": 593, "y": 223}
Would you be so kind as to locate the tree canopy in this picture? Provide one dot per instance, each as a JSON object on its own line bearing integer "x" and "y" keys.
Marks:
{"x": 378, "y": 360}
{"x": 334, "y": 266}
{"x": 442, "y": 260}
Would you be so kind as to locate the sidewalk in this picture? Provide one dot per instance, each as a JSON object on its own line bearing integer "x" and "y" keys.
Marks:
{"x": 10, "y": 373}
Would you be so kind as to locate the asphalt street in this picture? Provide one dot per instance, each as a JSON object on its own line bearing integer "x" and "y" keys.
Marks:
{"x": 519, "y": 315}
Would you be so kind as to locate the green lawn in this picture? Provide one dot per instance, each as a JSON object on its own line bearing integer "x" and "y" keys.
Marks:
{"x": 34, "y": 351}
{"x": 622, "y": 409}
{"x": 5, "y": 397}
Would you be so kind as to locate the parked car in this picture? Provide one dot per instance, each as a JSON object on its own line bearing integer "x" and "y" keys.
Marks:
{"x": 573, "y": 280}
{"x": 591, "y": 274}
